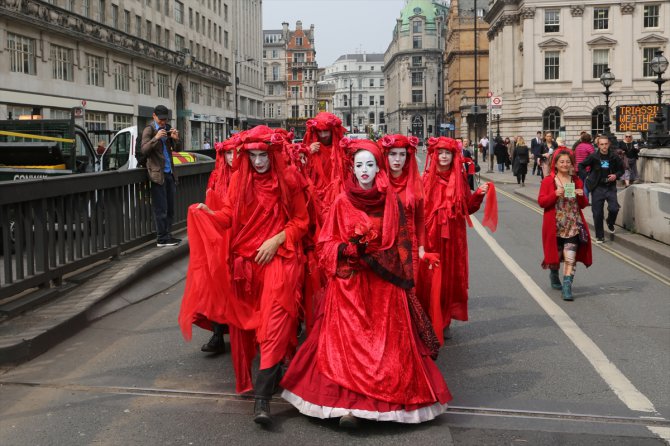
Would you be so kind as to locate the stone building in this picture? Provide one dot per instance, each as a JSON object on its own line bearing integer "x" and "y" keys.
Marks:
{"x": 119, "y": 59}
{"x": 466, "y": 69}
{"x": 290, "y": 72}
{"x": 546, "y": 58}
{"x": 413, "y": 69}
{"x": 357, "y": 85}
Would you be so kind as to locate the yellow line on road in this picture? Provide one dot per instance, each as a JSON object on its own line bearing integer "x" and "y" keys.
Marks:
{"x": 619, "y": 255}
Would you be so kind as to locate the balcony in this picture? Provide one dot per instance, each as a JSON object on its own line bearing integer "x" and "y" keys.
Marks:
{"x": 292, "y": 64}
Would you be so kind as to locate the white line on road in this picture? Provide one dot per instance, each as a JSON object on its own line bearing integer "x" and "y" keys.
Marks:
{"x": 609, "y": 372}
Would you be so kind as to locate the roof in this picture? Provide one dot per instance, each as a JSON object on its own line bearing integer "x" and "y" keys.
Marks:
{"x": 430, "y": 9}
{"x": 369, "y": 57}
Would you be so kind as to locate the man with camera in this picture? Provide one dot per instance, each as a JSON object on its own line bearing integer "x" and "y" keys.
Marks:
{"x": 158, "y": 142}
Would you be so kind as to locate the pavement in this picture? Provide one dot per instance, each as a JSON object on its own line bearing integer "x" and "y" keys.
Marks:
{"x": 148, "y": 270}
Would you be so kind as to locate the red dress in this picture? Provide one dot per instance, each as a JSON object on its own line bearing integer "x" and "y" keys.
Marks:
{"x": 364, "y": 355}
{"x": 444, "y": 290}
{"x": 547, "y": 200}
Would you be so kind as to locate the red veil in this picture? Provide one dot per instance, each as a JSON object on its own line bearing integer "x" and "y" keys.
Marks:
{"x": 410, "y": 180}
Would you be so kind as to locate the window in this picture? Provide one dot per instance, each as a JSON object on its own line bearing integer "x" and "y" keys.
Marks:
{"x": 21, "y": 54}
{"x": 551, "y": 65}
{"x": 417, "y": 96}
{"x": 417, "y": 79}
{"x": 372, "y": 100}
{"x": 601, "y": 18}
{"x": 298, "y": 41}
{"x": 600, "y": 62}
{"x": 219, "y": 97}
{"x": 178, "y": 12}
{"x": 417, "y": 61}
{"x": 195, "y": 92}
{"x": 598, "y": 120}
{"x": 416, "y": 42}
{"x": 61, "y": 63}
{"x": 167, "y": 7}
{"x": 94, "y": 73}
{"x": 197, "y": 22}
{"x": 167, "y": 39}
{"x": 121, "y": 76}
{"x": 647, "y": 55}
{"x": 271, "y": 111}
{"x": 158, "y": 6}
{"x": 121, "y": 122}
{"x": 360, "y": 99}
{"x": 115, "y": 16}
{"x": 381, "y": 100}
{"x": 274, "y": 54}
{"x": 294, "y": 74}
{"x": 294, "y": 111}
{"x": 149, "y": 27}
{"x": 96, "y": 121}
{"x": 346, "y": 100}
{"x": 552, "y": 21}
{"x": 143, "y": 81}
{"x": 190, "y": 18}
{"x": 179, "y": 43}
{"x": 225, "y": 39}
{"x": 295, "y": 91}
{"x": 551, "y": 120}
{"x": 651, "y": 14}
{"x": 101, "y": 11}
{"x": 163, "y": 83}
{"x": 371, "y": 117}
{"x": 126, "y": 22}
{"x": 85, "y": 8}
{"x": 298, "y": 57}
{"x": 271, "y": 90}
{"x": 207, "y": 91}
{"x": 69, "y": 5}
{"x": 381, "y": 82}
{"x": 381, "y": 118}
{"x": 372, "y": 82}
{"x": 159, "y": 34}
{"x": 138, "y": 26}
{"x": 225, "y": 12}
{"x": 416, "y": 26}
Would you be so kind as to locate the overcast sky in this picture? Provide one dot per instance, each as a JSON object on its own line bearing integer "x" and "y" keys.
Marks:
{"x": 340, "y": 26}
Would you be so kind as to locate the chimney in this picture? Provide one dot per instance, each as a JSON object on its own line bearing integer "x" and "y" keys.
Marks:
{"x": 298, "y": 25}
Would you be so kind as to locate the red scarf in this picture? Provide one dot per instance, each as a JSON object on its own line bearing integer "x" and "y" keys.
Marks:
{"x": 365, "y": 200}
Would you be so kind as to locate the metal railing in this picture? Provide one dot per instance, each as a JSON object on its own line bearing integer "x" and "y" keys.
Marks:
{"x": 54, "y": 226}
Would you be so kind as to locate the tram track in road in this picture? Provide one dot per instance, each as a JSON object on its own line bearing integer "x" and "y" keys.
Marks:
{"x": 614, "y": 252}
{"x": 645, "y": 421}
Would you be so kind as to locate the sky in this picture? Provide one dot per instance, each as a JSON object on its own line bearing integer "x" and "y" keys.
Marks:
{"x": 340, "y": 26}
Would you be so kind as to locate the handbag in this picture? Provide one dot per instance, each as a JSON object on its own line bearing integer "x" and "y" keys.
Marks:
{"x": 583, "y": 235}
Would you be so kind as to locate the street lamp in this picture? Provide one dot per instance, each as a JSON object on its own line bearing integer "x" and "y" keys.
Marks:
{"x": 497, "y": 126}
{"x": 237, "y": 90}
{"x": 659, "y": 137}
{"x": 607, "y": 79}
{"x": 351, "y": 105}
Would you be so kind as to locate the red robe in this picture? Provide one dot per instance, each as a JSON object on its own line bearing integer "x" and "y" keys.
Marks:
{"x": 320, "y": 170}
{"x": 414, "y": 212}
{"x": 444, "y": 290}
{"x": 263, "y": 307}
{"x": 547, "y": 200}
{"x": 364, "y": 355}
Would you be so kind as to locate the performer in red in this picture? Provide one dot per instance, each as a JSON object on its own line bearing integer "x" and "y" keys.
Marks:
{"x": 322, "y": 137}
{"x": 369, "y": 355}
{"x": 401, "y": 165}
{"x": 449, "y": 203}
{"x": 266, "y": 212}
{"x": 202, "y": 304}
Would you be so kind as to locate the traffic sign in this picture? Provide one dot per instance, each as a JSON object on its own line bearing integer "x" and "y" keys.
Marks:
{"x": 83, "y": 102}
{"x": 496, "y": 111}
{"x": 496, "y": 101}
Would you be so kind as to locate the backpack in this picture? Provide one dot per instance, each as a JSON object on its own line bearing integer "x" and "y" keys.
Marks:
{"x": 139, "y": 156}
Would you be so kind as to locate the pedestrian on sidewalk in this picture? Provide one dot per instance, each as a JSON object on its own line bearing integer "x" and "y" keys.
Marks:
{"x": 565, "y": 233}
{"x": 536, "y": 152}
{"x": 632, "y": 152}
{"x": 520, "y": 158}
{"x": 582, "y": 151}
{"x": 548, "y": 147}
{"x": 604, "y": 168}
{"x": 500, "y": 152}
{"x": 158, "y": 142}
{"x": 484, "y": 146}
{"x": 267, "y": 214}
{"x": 371, "y": 352}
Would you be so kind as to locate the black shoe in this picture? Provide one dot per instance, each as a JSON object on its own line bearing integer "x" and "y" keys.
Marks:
{"x": 610, "y": 228}
{"x": 168, "y": 242}
{"x": 600, "y": 240}
{"x": 348, "y": 422}
{"x": 216, "y": 344}
{"x": 262, "y": 412}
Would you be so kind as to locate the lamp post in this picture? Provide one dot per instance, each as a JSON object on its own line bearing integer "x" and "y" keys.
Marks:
{"x": 351, "y": 106}
{"x": 607, "y": 79}
{"x": 237, "y": 90}
{"x": 497, "y": 126}
{"x": 659, "y": 137}
{"x": 376, "y": 129}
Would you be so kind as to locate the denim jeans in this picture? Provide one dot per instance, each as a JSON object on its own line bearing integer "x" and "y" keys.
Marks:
{"x": 162, "y": 202}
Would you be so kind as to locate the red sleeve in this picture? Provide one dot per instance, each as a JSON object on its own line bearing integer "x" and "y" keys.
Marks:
{"x": 474, "y": 200}
{"x": 547, "y": 196}
{"x": 298, "y": 222}
{"x": 419, "y": 223}
{"x": 224, "y": 216}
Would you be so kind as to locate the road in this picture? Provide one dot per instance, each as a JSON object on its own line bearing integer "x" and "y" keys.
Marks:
{"x": 527, "y": 369}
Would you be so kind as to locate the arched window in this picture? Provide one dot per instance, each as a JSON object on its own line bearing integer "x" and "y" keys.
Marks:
{"x": 551, "y": 120}
{"x": 598, "y": 120}
{"x": 371, "y": 117}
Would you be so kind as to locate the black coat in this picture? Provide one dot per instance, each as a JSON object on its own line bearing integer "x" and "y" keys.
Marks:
{"x": 596, "y": 177}
{"x": 520, "y": 158}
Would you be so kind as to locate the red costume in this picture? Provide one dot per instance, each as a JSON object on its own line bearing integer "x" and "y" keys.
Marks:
{"x": 369, "y": 354}
{"x": 444, "y": 291}
{"x": 324, "y": 165}
{"x": 547, "y": 200}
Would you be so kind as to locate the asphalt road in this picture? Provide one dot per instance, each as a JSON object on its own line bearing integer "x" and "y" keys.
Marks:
{"x": 527, "y": 369}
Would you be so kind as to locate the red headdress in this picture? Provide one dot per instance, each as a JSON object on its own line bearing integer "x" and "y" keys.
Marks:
{"x": 328, "y": 121}
{"x": 221, "y": 174}
{"x": 410, "y": 179}
{"x": 381, "y": 193}
{"x": 557, "y": 153}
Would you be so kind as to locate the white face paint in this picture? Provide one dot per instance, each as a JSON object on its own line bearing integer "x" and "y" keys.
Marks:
{"x": 397, "y": 158}
{"x": 365, "y": 168}
{"x": 228, "y": 156}
{"x": 444, "y": 158}
{"x": 260, "y": 159}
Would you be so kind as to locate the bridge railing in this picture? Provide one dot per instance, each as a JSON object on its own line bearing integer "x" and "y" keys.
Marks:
{"x": 54, "y": 226}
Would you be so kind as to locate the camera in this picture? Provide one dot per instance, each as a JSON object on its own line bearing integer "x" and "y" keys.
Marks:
{"x": 168, "y": 129}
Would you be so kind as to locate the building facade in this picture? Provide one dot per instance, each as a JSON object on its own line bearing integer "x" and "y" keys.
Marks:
{"x": 466, "y": 74}
{"x": 247, "y": 62}
{"x": 413, "y": 69}
{"x": 357, "y": 85}
{"x": 291, "y": 74}
{"x": 546, "y": 58}
{"x": 117, "y": 60}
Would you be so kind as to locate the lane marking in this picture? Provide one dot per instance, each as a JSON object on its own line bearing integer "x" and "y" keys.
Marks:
{"x": 634, "y": 263}
{"x": 609, "y": 372}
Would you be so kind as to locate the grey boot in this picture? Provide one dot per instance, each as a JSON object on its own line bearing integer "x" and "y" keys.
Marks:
{"x": 567, "y": 288}
{"x": 555, "y": 279}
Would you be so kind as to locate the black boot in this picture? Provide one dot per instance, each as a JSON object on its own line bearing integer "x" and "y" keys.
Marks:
{"x": 262, "y": 412}
{"x": 216, "y": 344}
{"x": 555, "y": 279}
